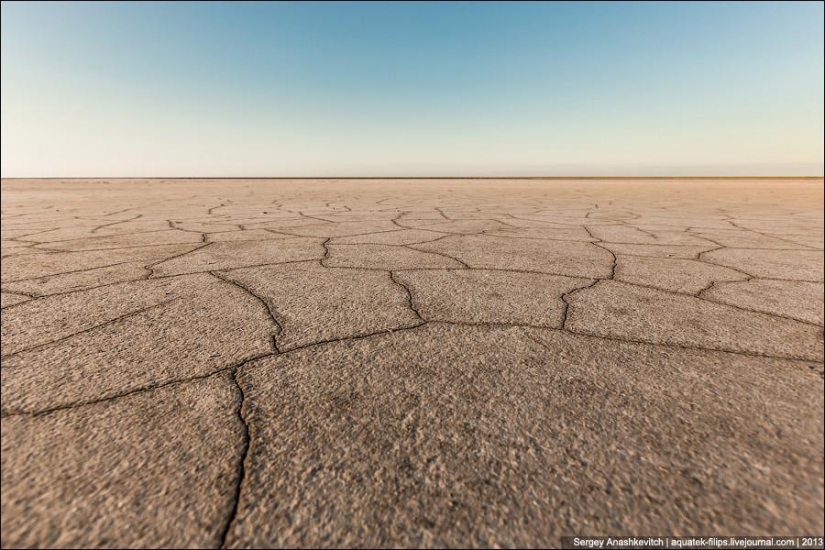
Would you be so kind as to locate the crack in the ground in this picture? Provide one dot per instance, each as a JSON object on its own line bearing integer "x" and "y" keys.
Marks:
{"x": 143, "y": 277}
{"x": 211, "y": 210}
{"x": 19, "y": 293}
{"x": 325, "y": 244}
{"x": 615, "y": 259}
{"x": 142, "y": 389}
{"x": 350, "y": 338}
{"x": 690, "y": 347}
{"x": 410, "y": 300}
{"x": 565, "y": 296}
{"x": 24, "y": 279}
{"x": 39, "y": 244}
{"x": 97, "y": 326}
{"x": 228, "y": 269}
{"x": 96, "y": 229}
{"x": 412, "y": 247}
{"x": 769, "y": 235}
{"x": 460, "y": 209}
{"x": 270, "y": 309}
{"x": 151, "y": 266}
{"x": 241, "y": 467}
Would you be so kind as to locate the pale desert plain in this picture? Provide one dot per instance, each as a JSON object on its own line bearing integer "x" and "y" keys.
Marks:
{"x": 404, "y": 363}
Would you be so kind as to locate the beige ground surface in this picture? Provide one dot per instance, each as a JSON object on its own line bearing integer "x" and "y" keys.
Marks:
{"x": 409, "y": 363}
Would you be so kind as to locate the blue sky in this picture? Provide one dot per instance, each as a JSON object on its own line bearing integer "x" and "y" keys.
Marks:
{"x": 366, "y": 89}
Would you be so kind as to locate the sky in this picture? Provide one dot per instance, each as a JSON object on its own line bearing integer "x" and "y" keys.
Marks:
{"x": 411, "y": 89}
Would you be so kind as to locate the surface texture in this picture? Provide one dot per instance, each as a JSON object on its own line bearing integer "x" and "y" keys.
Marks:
{"x": 258, "y": 363}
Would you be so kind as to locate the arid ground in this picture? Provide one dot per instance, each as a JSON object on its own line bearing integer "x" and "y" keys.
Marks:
{"x": 409, "y": 362}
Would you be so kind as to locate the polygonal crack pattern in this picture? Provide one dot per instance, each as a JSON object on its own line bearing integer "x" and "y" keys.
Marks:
{"x": 235, "y": 363}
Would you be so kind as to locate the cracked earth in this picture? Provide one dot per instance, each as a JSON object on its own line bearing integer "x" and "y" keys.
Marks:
{"x": 235, "y": 363}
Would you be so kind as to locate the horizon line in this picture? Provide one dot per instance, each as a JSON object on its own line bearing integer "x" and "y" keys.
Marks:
{"x": 660, "y": 177}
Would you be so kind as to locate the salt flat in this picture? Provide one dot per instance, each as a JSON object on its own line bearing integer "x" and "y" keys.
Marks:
{"x": 243, "y": 363}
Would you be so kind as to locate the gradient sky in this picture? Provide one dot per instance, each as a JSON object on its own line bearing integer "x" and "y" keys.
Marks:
{"x": 304, "y": 89}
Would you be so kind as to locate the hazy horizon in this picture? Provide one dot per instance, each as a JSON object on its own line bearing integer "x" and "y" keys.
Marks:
{"x": 403, "y": 89}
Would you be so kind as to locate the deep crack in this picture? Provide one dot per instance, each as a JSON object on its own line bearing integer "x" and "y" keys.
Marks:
{"x": 241, "y": 467}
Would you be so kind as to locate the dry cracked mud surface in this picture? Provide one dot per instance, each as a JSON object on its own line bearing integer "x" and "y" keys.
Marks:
{"x": 437, "y": 363}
